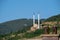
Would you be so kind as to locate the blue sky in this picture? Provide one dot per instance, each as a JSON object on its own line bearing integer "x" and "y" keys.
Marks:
{"x": 17, "y": 9}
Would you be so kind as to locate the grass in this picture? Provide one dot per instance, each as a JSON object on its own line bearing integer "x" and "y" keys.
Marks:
{"x": 25, "y": 34}
{"x": 33, "y": 34}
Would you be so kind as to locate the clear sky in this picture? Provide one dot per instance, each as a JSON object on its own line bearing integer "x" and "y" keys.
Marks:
{"x": 17, "y": 9}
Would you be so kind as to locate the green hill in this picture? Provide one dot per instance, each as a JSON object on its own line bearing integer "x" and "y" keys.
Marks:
{"x": 54, "y": 18}
{"x": 15, "y": 25}
{"x": 20, "y": 26}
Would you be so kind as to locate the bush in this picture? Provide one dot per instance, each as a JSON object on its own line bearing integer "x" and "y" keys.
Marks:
{"x": 33, "y": 34}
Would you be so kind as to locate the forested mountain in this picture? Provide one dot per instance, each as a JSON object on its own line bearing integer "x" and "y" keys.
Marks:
{"x": 15, "y": 25}
{"x": 22, "y": 24}
{"x": 54, "y": 18}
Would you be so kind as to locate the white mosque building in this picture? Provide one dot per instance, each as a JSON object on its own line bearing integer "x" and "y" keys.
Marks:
{"x": 35, "y": 26}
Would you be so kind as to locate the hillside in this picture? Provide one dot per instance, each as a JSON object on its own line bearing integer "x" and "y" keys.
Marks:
{"x": 15, "y": 25}
{"x": 17, "y": 29}
{"x": 54, "y": 18}
{"x": 22, "y": 24}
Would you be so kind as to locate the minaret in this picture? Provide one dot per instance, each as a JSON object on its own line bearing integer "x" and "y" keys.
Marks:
{"x": 33, "y": 19}
{"x": 38, "y": 21}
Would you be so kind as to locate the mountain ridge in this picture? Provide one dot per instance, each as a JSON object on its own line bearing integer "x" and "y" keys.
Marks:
{"x": 20, "y": 24}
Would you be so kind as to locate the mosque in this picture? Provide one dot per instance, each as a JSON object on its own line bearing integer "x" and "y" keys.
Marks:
{"x": 35, "y": 26}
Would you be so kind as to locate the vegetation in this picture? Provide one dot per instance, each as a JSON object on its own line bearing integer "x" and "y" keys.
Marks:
{"x": 33, "y": 34}
{"x": 19, "y": 28}
{"x": 54, "y": 18}
{"x": 22, "y": 35}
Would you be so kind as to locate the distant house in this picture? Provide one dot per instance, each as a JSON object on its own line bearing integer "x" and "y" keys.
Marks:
{"x": 34, "y": 27}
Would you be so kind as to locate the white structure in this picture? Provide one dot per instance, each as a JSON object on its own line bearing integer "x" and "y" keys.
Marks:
{"x": 33, "y": 20}
{"x": 34, "y": 25}
{"x": 38, "y": 21}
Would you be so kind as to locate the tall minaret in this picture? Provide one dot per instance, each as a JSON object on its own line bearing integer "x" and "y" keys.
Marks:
{"x": 38, "y": 21}
{"x": 33, "y": 19}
